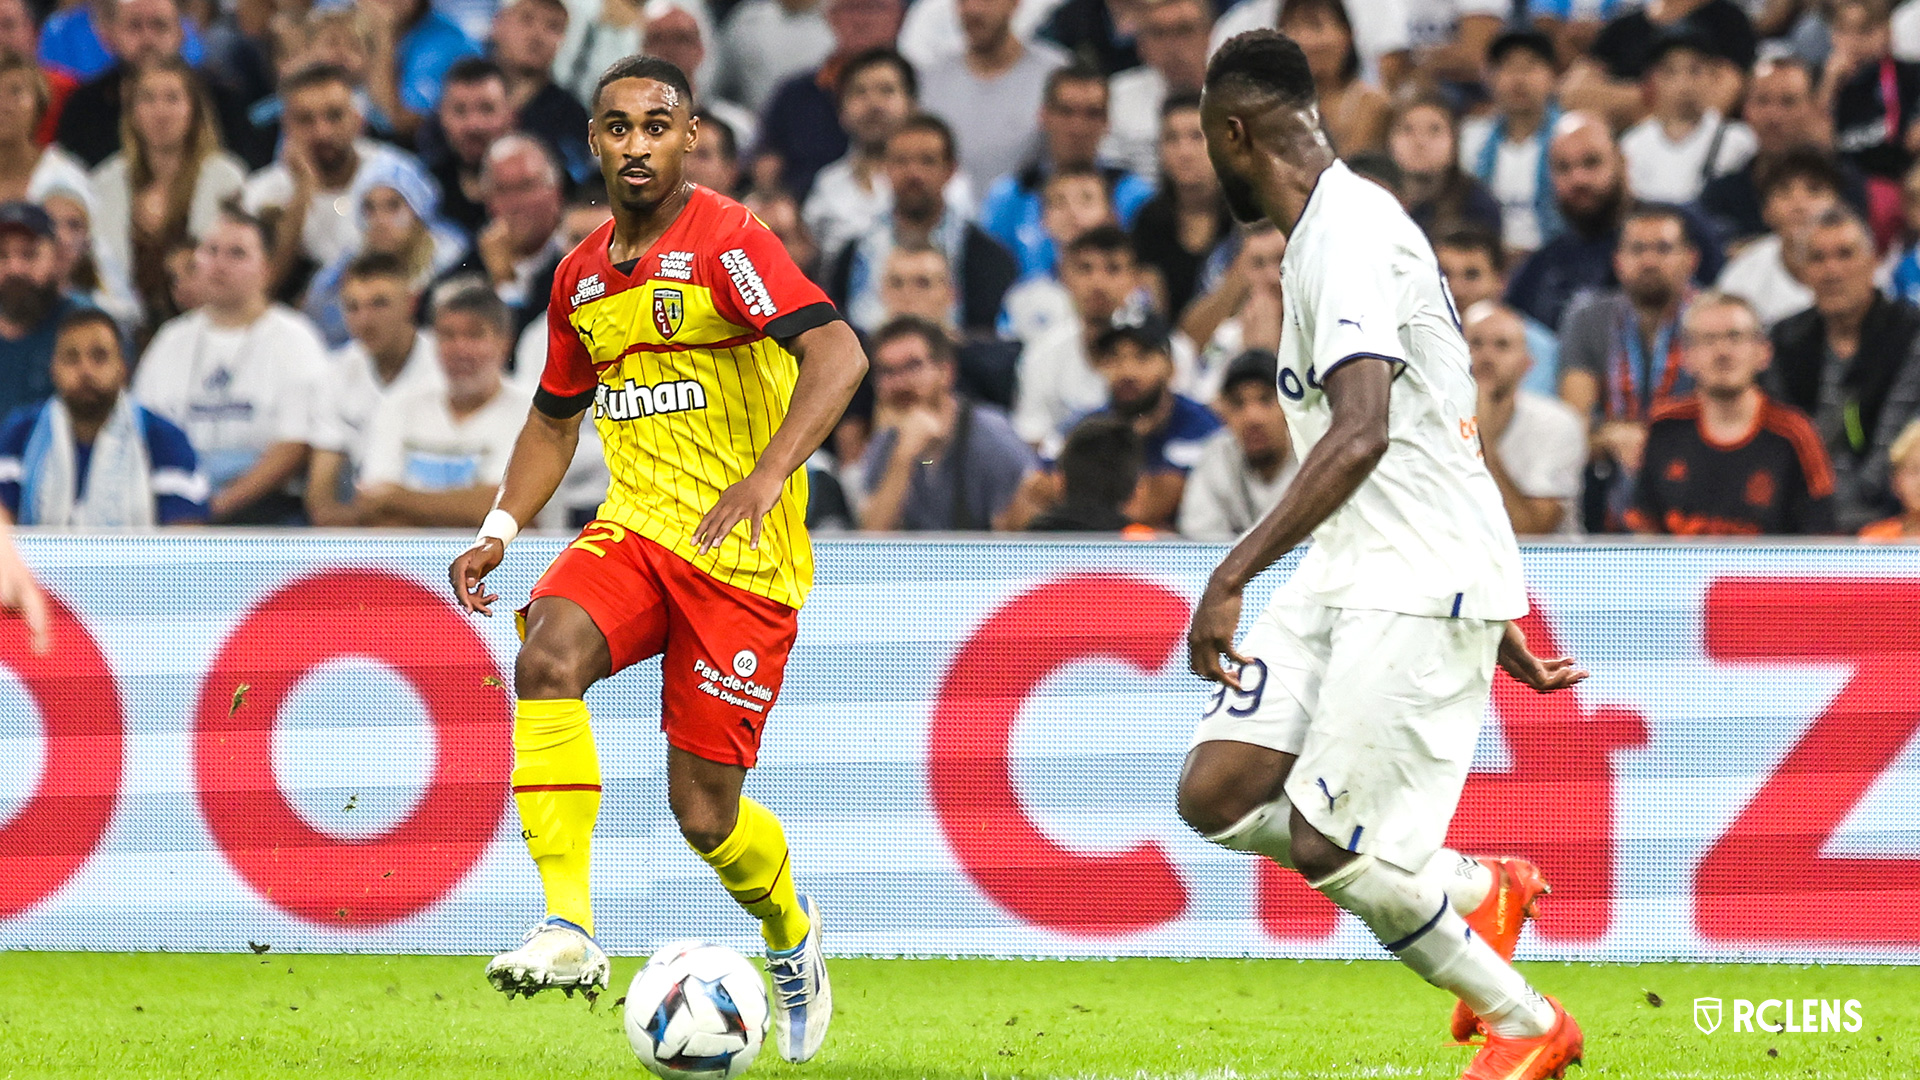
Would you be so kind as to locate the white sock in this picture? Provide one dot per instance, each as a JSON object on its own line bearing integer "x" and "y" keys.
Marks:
{"x": 1466, "y": 881}
{"x": 1414, "y": 919}
{"x": 1266, "y": 830}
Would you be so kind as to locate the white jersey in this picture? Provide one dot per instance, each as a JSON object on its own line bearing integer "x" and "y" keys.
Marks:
{"x": 1426, "y": 533}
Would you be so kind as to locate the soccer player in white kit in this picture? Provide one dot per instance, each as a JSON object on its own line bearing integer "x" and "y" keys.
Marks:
{"x": 1339, "y": 738}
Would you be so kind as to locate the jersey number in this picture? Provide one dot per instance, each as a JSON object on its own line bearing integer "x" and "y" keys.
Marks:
{"x": 1246, "y": 700}
{"x": 600, "y": 532}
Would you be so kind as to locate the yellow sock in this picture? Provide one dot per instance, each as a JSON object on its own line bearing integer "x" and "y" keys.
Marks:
{"x": 556, "y": 785}
{"x": 753, "y": 866}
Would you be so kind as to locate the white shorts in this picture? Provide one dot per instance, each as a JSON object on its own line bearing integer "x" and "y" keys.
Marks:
{"x": 1381, "y": 709}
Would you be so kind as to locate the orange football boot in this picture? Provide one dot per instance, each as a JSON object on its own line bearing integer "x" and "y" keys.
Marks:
{"x": 1530, "y": 1059}
{"x": 1517, "y": 884}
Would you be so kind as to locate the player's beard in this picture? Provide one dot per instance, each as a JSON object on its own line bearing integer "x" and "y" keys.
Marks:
{"x": 24, "y": 303}
{"x": 1241, "y": 202}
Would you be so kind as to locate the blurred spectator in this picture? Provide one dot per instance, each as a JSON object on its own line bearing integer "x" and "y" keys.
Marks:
{"x": 520, "y": 248}
{"x": 919, "y": 165}
{"x": 1074, "y": 200}
{"x": 28, "y": 170}
{"x": 1381, "y": 34}
{"x": 1057, "y": 382}
{"x": 307, "y": 193}
{"x": 526, "y": 40}
{"x": 1097, "y": 32}
{"x": 1904, "y": 278}
{"x": 436, "y": 454}
{"x": 82, "y": 39}
{"x": 1785, "y": 114}
{"x": 423, "y": 44}
{"x": 19, "y": 35}
{"x": 399, "y": 216}
{"x": 1869, "y": 94}
{"x": 1438, "y": 193}
{"x": 598, "y": 33}
{"x": 1729, "y": 460}
{"x": 388, "y": 354}
{"x": 1172, "y": 36}
{"x": 917, "y": 282}
{"x": 1475, "y": 269}
{"x": 714, "y": 161}
{"x": 877, "y": 91}
{"x": 1795, "y": 189}
{"x": 1073, "y": 121}
{"x": 241, "y": 374}
{"x": 778, "y": 209}
{"x": 1450, "y": 37}
{"x": 146, "y": 470}
{"x": 800, "y": 131}
{"x": 764, "y": 42}
{"x": 1353, "y": 112}
{"x": 1608, "y": 79}
{"x": 990, "y": 94}
{"x": 1134, "y": 357}
{"x": 1533, "y": 444}
{"x": 582, "y": 217}
{"x": 1904, "y": 457}
{"x": 1684, "y": 142}
{"x": 1589, "y": 185}
{"x": 31, "y": 304}
{"x": 938, "y": 462}
{"x": 678, "y": 31}
{"x": 473, "y": 114}
{"x": 1244, "y": 470}
{"x": 1096, "y": 475}
{"x": 1506, "y": 149}
{"x": 80, "y": 267}
{"x": 1243, "y": 311}
{"x": 167, "y": 182}
{"x": 345, "y": 38}
{"x": 1177, "y": 230}
{"x": 1848, "y": 362}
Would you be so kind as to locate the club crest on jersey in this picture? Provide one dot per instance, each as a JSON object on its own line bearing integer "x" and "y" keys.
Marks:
{"x": 668, "y": 306}
{"x": 588, "y": 288}
{"x": 632, "y": 400}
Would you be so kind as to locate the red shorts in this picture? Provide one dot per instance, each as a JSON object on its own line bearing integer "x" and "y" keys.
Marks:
{"x": 725, "y": 648}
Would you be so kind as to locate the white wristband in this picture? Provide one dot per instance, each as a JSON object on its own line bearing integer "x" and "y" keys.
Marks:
{"x": 500, "y": 526}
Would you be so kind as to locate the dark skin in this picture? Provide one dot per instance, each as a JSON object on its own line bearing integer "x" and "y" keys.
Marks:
{"x": 1269, "y": 154}
{"x": 642, "y": 132}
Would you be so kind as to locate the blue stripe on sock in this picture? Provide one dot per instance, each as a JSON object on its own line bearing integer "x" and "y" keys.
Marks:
{"x": 1415, "y": 936}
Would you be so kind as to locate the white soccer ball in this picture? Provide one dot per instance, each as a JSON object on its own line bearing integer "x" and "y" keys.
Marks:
{"x": 697, "y": 1011}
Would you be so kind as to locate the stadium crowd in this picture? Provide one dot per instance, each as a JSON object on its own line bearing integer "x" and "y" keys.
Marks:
{"x": 280, "y": 262}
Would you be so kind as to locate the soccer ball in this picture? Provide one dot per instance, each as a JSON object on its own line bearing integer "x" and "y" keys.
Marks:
{"x": 697, "y": 1011}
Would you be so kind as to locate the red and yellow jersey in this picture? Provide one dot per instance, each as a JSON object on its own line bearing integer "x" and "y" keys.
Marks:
{"x": 679, "y": 357}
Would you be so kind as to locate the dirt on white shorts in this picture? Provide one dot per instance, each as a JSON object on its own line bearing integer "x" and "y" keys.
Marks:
{"x": 1382, "y": 710}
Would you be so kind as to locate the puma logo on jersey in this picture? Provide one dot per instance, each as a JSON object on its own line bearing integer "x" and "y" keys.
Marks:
{"x": 632, "y": 400}
{"x": 747, "y": 280}
{"x": 588, "y": 288}
{"x": 1349, "y": 322}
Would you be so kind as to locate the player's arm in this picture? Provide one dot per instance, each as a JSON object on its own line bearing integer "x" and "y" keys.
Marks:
{"x": 540, "y": 458}
{"x": 831, "y": 367}
{"x": 1357, "y": 391}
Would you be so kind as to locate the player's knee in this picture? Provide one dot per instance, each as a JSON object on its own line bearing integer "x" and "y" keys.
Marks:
{"x": 546, "y": 673}
{"x": 1211, "y": 809}
{"x": 704, "y": 828}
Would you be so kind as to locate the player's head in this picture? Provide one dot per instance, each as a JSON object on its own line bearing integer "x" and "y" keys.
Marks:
{"x": 89, "y": 366}
{"x": 1134, "y": 358}
{"x": 1497, "y": 341}
{"x": 1099, "y": 271}
{"x": 377, "y": 299}
{"x": 1656, "y": 258}
{"x": 1259, "y": 105}
{"x": 642, "y": 130}
{"x": 1473, "y": 263}
{"x": 1723, "y": 345}
{"x": 1250, "y": 404}
{"x": 473, "y": 332}
{"x": 913, "y": 363}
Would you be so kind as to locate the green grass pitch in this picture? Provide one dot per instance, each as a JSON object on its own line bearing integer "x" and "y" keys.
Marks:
{"x": 169, "y": 1015}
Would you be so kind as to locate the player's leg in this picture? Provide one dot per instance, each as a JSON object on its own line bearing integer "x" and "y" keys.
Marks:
{"x": 740, "y": 839}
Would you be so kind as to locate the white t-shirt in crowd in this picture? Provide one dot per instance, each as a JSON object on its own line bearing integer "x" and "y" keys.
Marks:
{"x": 1380, "y": 28}
{"x": 996, "y": 121}
{"x": 1426, "y": 532}
{"x": 332, "y": 228}
{"x": 1134, "y": 97}
{"x": 1759, "y": 275}
{"x": 1433, "y": 23}
{"x": 354, "y": 393}
{"x": 931, "y": 31}
{"x": 235, "y": 390}
{"x": 1516, "y": 180}
{"x": 1544, "y": 450}
{"x": 1660, "y": 169}
{"x": 415, "y": 441}
{"x": 1058, "y": 384}
{"x": 1906, "y": 31}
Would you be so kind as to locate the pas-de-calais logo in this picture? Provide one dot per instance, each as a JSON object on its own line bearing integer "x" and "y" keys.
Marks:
{"x": 668, "y": 306}
{"x": 1706, "y": 1015}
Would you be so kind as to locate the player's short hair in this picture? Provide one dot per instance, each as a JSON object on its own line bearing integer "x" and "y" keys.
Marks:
{"x": 312, "y": 75}
{"x": 1658, "y": 211}
{"x": 927, "y": 122}
{"x": 1105, "y": 239}
{"x": 90, "y": 316}
{"x": 377, "y": 264}
{"x": 1805, "y": 164}
{"x": 1183, "y": 101}
{"x": 713, "y": 126}
{"x": 1710, "y": 299}
{"x": 1267, "y": 63}
{"x": 469, "y": 70}
{"x": 1101, "y": 461}
{"x": 1905, "y": 444}
{"x": 1077, "y": 72}
{"x": 879, "y": 56}
{"x": 470, "y": 295}
{"x": 939, "y": 342}
{"x": 1471, "y": 238}
{"x": 231, "y": 210}
{"x": 644, "y": 67}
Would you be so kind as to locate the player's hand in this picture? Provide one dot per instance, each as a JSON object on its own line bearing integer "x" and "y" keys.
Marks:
{"x": 20, "y": 592}
{"x": 468, "y": 574}
{"x": 750, "y": 500}
{"x": 1545, "y": 676}
{"x": 1215, "y": 620}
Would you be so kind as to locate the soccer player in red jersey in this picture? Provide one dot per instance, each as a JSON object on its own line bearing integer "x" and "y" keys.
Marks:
{"x": 713, "y": 368}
